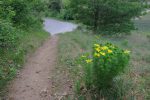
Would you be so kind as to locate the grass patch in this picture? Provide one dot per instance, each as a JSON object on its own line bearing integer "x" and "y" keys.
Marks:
{"x": 133, "y": 84}
{"x": 12, "y": 60}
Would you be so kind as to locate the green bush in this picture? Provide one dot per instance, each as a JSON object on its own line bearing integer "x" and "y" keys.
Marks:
{"x": 6, "y": 11}
{"x": 23, "y": 14}
{"x": 6, "y": 74}
{"x": 65, "y": 14}
{"x": 8, "y": 35}
{"x": 106, "y": 62}
{"x": 17, "y": 19}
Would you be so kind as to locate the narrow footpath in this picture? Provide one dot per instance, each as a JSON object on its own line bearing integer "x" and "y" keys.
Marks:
{"x": 33, "y": 82}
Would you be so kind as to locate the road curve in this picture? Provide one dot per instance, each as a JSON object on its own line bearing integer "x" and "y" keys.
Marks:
{"x": 55, "y": 27}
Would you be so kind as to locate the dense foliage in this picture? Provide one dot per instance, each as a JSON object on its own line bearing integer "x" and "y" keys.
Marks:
{"x": 17, "y": 17}
{"x": 106, "y": 16}
{"x": 55, "y": 5}
{"x": 8, "y": 35}
{"x": 103, "y": 66}
{"x": 21, "y": 14}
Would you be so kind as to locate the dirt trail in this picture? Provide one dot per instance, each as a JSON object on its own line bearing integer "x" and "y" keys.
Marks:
{"x": 34, "y": 81}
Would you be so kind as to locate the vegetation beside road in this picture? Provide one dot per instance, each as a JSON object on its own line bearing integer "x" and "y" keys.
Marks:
{"x": 133, "y": 83}
{"x": 20, "y": 34}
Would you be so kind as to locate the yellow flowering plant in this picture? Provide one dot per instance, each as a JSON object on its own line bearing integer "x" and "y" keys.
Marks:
{"x": 87, "y": 62}
{"x": 104, "y": 64}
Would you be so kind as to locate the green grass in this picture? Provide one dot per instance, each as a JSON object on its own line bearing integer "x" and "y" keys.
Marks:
{"x": 135, "y": 82}
{"x": 13, "y": 60}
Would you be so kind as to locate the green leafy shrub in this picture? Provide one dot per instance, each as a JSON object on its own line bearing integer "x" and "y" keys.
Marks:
{"x": 23, "y": 14}
{"x": 8, "y": 35}
{"x": 17, "y": 19}
{"x": 106, "y": 62}
{"x": 6, "y": 74}
{"x": 6, "y": 11}
{"x": 65, "y": 14}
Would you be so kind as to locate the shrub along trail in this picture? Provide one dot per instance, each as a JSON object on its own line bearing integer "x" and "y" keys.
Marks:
{"x": 33, "y": 82}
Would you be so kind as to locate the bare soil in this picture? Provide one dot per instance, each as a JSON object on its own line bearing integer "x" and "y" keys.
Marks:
{"x": 34, "y": 80}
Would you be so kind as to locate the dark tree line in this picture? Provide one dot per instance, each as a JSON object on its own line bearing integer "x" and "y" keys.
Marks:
{"x": 103, "y": 16}
{"x": 107, "y": 16}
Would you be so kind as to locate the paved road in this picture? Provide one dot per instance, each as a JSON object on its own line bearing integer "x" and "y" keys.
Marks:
{"x": 55, "y": 27}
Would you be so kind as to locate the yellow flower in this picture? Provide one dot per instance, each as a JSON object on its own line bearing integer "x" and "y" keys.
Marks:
{"x": 98, "y": 49}
{"x": 96, "y": 45}
{"x": 104, "y": 48}
{"x": 88, "y": 60}
{"x": 96, "y": 54}
{"x": 127, "y": 51}
{"x": 102, "y": 53}
{"x": 109, "y": 51}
